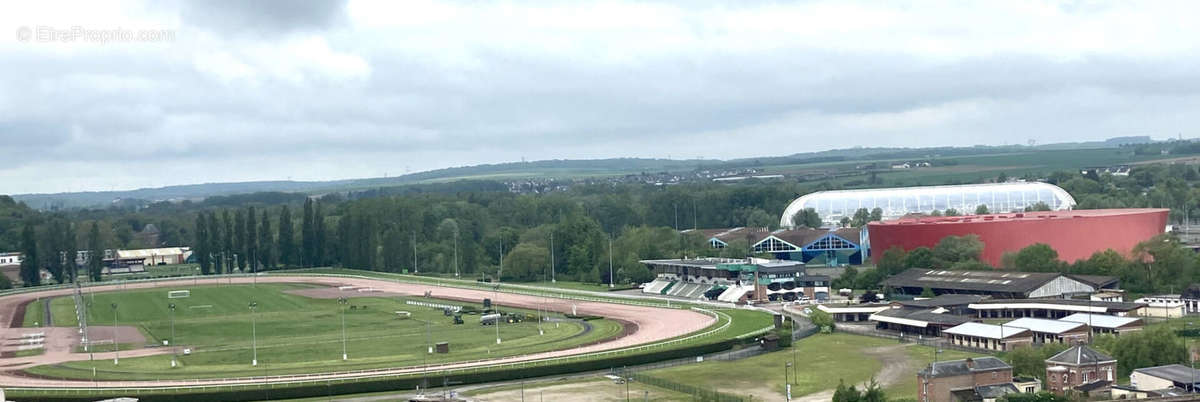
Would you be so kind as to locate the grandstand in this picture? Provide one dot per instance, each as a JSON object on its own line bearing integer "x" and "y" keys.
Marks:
{"x": 740, "y": 279}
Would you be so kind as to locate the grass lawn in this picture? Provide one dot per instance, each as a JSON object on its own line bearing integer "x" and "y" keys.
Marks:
{"x": 577, "y": 286}
{"x": 29, "y": 352}
{"x": 823, "y": 360}
{"x": 296, "y": 334}
{"x": 576, "y": 389}
{"x": 34, "y": 315}
{"x": 62, "y": 309}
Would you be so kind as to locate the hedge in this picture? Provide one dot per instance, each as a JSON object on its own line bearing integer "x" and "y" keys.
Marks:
{"x": 290, "y": 391}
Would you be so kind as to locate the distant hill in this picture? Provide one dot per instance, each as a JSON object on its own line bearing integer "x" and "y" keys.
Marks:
{"x": 557, "y": 168}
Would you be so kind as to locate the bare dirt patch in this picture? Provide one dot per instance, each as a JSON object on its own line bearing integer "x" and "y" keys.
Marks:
{"x": 123, "y": 334}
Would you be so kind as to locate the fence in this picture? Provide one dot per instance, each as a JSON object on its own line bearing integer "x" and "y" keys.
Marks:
{"x": 924, "y": 341}
{"x": 698, "y": 392}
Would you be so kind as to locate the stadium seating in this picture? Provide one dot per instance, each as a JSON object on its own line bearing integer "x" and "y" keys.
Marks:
{"x": 655, "y": 286}
{"x": 734, "y": 293}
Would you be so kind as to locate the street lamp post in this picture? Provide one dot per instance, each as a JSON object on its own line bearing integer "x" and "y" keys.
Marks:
{"x": 174, "y": 351}
{"x": 342, "y": 301}
{"x": 787, "y": 385}
{"x": 253, "y": 334}
{"x": 116, "y": 346}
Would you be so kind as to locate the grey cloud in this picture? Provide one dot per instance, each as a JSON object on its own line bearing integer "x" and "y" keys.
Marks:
{"x": 264, "y": 16}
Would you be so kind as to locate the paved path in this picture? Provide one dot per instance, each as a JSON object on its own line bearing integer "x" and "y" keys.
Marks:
{"x": 652, "y": 324}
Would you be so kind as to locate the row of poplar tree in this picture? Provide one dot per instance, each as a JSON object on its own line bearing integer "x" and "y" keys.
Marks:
{"x": 243, "y": 240}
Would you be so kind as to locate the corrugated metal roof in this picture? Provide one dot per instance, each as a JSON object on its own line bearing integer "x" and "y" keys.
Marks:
{"x": 151, "y": 252}
{"x": 1044, "y": 325}
{"x": 1101, "y": 320}
{"x": 985, "y": 330}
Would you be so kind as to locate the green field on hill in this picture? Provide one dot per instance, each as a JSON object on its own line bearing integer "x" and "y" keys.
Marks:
{"x": 296, "y": 334}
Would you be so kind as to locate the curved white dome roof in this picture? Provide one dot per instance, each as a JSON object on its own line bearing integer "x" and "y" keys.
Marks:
{"x": 832, "y": 206}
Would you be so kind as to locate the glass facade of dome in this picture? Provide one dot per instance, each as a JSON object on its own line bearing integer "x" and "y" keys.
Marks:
{"x": 832, "y": 206}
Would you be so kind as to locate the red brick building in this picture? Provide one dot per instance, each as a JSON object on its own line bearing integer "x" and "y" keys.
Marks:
{"x": 1080, "y": 368}
{"x": 984, "y": 377}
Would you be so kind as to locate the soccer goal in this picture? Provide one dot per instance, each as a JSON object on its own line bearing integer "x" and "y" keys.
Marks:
{"x": 179, "y": 294}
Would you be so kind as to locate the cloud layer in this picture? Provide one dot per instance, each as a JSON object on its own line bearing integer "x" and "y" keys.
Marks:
{"x": 325, "y": 90}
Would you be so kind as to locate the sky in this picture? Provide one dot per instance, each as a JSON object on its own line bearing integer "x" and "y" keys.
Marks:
{"x": 129, "y": 94}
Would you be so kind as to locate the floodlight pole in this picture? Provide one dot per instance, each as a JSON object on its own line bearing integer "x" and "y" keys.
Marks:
{"x": 610, "y": 270}
{"x": 342, "y": 301}
{"x": 414, "y": 246}
{"x": 253, "y": 334}
{"x": 116, "y": 346}
{"x": 174, "y": 351}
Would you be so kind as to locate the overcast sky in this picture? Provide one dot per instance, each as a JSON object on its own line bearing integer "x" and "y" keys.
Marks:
{"x": 262, "y": 90}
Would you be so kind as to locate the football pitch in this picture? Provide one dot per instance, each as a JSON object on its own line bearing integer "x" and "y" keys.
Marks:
{"x": 293, "y": 333}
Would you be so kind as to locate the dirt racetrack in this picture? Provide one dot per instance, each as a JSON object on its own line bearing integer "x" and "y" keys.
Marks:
{"x": 652, "y": 323}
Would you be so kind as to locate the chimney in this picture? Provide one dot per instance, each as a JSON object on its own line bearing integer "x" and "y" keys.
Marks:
{"x": 970, "y": 363}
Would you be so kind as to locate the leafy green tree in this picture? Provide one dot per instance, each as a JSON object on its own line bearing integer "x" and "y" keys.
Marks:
{"x": 807, "y": 218}
{"x": 252, "y": 254}
{"x": 821, "y": 319}
{"x": 5, "y": 283}
{"x": 95, "y": 253}
{"x": 70, "y": 251}
{"x": 320, "y": 237}
{"x": 981, "y": 210}
{"x": 845, "y": 222}
{"x": 954, "y": 249}
{"x": 876, "y": 214}
{"x": 920, "y": 257}
{"x": 1038, "y": 206}
{"x": 30, "y": 261}
{"x": 239, "y": 240}
{"x": 1153, "y": 346}
{"x": 892, "y": 261}
{"x": 1032, "y": 361}
{"x": 757, "y": 218}
{"x": 227, "y": 245}
{"x": 201, "y": 244}
{"x": 1039, "y": 257}
{"x": 952, "y": 212}
{"x": 308, "y": 236}
{"x": 526, "y": 262}
{"x": 287, "y": 238}
{"x": 927, "y": 292}
{"x": 266, "y": 256}
{"x": 215, "y": 243}
{"x": 861, "y": 217}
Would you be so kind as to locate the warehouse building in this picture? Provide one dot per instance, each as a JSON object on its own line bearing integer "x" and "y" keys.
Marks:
{"x": 987, "y": 336}
{"x": 1165, "y": 377}
{"x": 996, "y": 284}
{"x": 1074, "y": 234}
{"x": 832, "y": 248}
{"x": 1052, "y": 331}
{"x": 1051, "y": 308}
{"x": 1106, "y": 324}
{"x": 917, "y": 321}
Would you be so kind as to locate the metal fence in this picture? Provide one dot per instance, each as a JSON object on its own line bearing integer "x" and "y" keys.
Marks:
{"x": 700, "y": 393}
{"x": 924, "y": 341}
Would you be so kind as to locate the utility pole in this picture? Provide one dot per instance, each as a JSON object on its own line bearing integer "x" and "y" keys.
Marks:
{"x": 253, "y": 334}
{"x": 342, "y": 302}
{"x": 414, "y": 246}
{"x": 116, "y": 346}
{"x": 174, "y": 350}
